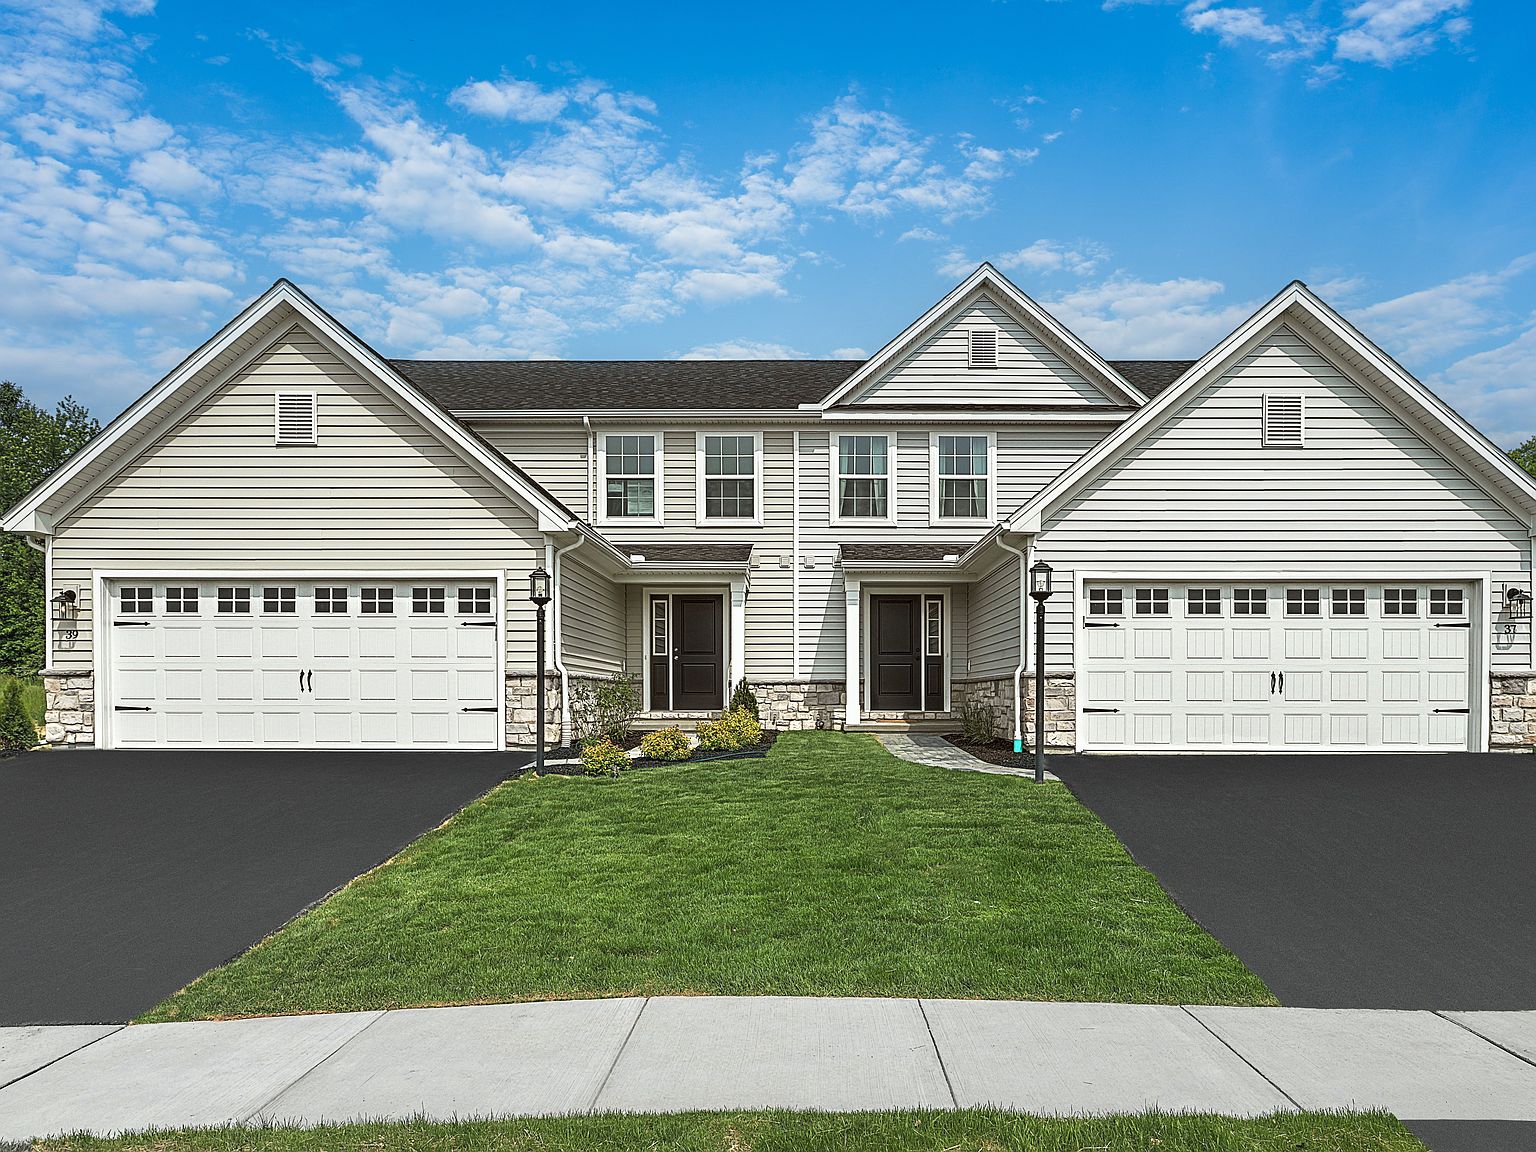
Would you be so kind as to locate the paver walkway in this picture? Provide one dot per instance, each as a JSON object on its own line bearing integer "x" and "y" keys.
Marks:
{"x": 720, "y": 1052}
{"x": 937, "y": 752}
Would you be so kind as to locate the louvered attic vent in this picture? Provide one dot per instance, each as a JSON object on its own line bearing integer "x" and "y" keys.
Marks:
{"x": 1284, "y": 423}
{"x": 297, "y": 418}
{"x": 983, "y": 347}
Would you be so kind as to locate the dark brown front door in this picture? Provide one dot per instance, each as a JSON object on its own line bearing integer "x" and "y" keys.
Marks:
{"x": 698, "y": 653}
{"x": 894, "y": 661}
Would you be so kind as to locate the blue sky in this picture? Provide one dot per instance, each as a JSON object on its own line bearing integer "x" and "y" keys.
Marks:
{"x": 652, "y": 181}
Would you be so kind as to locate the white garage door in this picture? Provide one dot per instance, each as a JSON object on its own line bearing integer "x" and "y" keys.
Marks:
{"x": 1286, "y": 667}
{"x": 264, "y": 663}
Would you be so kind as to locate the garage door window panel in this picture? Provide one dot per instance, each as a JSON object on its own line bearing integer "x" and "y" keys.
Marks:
{"x": 280, "y": 601}
{"x": 429, "y": 601}
{"x": 1151, "y": 601}
{"x": 1348, "y": 601}
{"x": 1202, "y": 601}
{"x": 1447, "y": 602}
{"x": 474, "y": 601}
{"x": 136, "y": 601}
{"x": 1250, "y": 602}
{"x": 233, "y": 601}
{"x": 1303, "y": 602}
{"x": 1400, "y": 602}
{"x": 181, "y": 600}
{"x": 330, "y": 601}
{"x": 1106, "y": 602}
{"x": 376, "y": 601}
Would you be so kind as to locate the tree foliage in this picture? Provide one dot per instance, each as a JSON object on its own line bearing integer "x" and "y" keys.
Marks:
{"x": 33, "y": 442}
{"x": 1525, "y": 455}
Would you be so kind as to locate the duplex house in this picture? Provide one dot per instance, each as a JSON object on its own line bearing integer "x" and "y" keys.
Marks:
{"x": 1288, "y": 544}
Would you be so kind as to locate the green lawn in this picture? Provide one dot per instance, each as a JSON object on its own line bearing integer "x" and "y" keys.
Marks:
{"x": 32, "y": 695}
{"x": 964, "y": 1131}
{"x": 830, "y": 868}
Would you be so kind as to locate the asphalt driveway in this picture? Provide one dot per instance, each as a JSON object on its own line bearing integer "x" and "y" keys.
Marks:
{"x": 124, "y": 875}
{"x": 1343, "y": 881}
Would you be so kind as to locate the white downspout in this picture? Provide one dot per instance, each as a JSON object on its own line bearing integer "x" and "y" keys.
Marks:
{"x": 559, "y": 645}
{"x": 1018, "y": 673}
{"x": 794, "y": 573}
{"x": 586, "y": 422}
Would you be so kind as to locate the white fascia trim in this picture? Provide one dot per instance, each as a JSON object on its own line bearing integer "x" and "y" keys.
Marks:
{"x": 986, "y": 276}
{"x": 623, "y": 415}
{"x": 26, "y": 516}
{"x": 915, "y": 415}
{"x": 352, "y": 350}
{"x": 756, "y": 519}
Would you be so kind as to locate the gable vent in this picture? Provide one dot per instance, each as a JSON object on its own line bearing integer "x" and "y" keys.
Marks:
{"x": 1284, "y": 426}
{"x": 297, "y": 418}
{"x": 983, "y": 347}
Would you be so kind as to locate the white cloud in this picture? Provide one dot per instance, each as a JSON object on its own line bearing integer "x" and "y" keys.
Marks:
{"x": 167, "y": 174}
{"x": 849, "y": 354}
{"x": 1431, "y": 322}
{"x": 1124, "y": 316}
{"x": 1496, "y": 388}
{"x": 1233, "y": 25}
{"x": 1385, "y": 32}
{"x": 509, "y": 99}
{"x": 742, "y": 350}
{"x": 1052, "y": 256}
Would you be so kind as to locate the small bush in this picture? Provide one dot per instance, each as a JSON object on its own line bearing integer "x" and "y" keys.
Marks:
{"x": 667, "y": 744}
{"x": 978, "y": 722}
{"x": 604, "y": 709}
{"x": 17, "y": 732}
{"x": 734, "y": 730}
{"x": 602, "y": 758}
{"x": 742, "y": 697}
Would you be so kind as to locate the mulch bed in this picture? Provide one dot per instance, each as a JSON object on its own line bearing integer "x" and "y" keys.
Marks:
{"x": 995, "y": 751}
{"x": 754, "y": 752}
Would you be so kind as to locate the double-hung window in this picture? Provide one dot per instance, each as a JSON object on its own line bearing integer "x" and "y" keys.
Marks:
{"x": 630, "y": 477}
{"x": 728, "y": 470}
{"x": 964, "y": 466}
{"x": 863, "y": 477}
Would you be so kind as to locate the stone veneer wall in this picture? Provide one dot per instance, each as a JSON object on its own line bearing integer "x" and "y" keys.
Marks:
{"x": 1512, "y": 726}
{"x": 1060, "y": 707}
{"x": 71, "y": 708}
{"x": 793, "y": 704}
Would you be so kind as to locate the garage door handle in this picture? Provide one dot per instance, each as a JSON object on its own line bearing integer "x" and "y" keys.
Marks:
{"x": 1463, "y": 711}
{"x": 477, "y": 624}
{"x": 130, "y": 707}
{"x": 1271, "y": 683}
{"x": 492, "y": 708}
{"x": 1101, "y": 709}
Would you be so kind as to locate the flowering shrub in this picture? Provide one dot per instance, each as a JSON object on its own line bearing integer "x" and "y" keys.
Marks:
{"x": 602, "y": 758}
{"x": 667, "y": 744}
{"x": 735, "y": 729}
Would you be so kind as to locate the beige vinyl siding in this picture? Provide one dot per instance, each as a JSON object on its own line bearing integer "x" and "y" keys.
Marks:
{"x": 958, "y": 655}
{"x": 1366, "y": 494}
{"x": 913, "y": 498}
{"x": 592, "y": 619}
{"x": 993, "y": 619}
{"x": 938, "y": 371}
{"x": 378, "y": 491}
{"x": 555, "y": 455}
{"x": 635, "y": 631}
{"x": 1029, "y": 456}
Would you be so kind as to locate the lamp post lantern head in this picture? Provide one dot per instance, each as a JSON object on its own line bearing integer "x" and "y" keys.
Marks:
{"x": 1040, "y": 580}
{"x": 538, "y": 587}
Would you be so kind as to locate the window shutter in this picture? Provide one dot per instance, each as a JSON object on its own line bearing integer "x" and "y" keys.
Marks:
{"x": 983, "y": 347}
{"x": 297, "y": 418}
{"x": 1284, "y": 426}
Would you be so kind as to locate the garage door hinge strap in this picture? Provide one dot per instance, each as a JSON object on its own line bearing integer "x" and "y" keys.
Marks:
{"x": 477, "y": 624}
{"x": 492, "y": 708}
{"x": 130, "y": 623}
{"x": 1100, "y": 624}
{"x": 1463, "y": 711}
{"x": 130, "y": 707}
{"x": 1101, "y": 709}
{"x": 1462, "y": 624}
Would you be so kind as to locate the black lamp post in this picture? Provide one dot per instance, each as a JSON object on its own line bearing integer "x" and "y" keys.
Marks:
{"x": 1040, "y": 592}
{"x": 538, "y": 592}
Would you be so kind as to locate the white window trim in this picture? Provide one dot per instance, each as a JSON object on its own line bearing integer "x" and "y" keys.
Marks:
{"x": 658, "y": 459}
{"x": 277, "y": 417}
{"x": 892, "y": 470}
{"x": 934, "y": 503}
{"x": 699, "y": 517}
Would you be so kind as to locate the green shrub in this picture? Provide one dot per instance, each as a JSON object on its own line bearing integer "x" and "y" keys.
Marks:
{"x": 978, "y": 722}
{"x": 602, "y": 758}
{"x": 742, "y": 697}
{"x": 734, "y": 730}
{"x": 17, "y": 732}
{"x": 667, "y": 744}
{"x": 604, "y": 709}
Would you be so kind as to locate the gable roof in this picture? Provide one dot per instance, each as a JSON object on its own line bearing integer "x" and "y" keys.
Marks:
{"x": 236, "y": 344}
{"x": 602, "y": 385}
{"x": 1297, "y": 304}
{"x": 989, "y": 281}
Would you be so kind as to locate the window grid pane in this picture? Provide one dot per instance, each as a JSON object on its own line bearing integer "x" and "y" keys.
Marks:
{"x": 1447, "y": 602}
{"x": 1151, "y": 601}
{"x": 377, "y": 601}
{"x": 429, "y": 601}
{"x": 1349, "y": 601}
{"x": 1203, "y": 602}
{"x": 181, "y": 601}
{"x": 234, "y": 601}
{"x": 1400, "y": 602}
{"x": 934, "y": 627}
{"x": 659, "y": 627}
{"x": 631, "y": 475}
{"x": 474, "y": 601}
{"x": 280, "y": 600}
{"x": 863, "y": 464}
{"x": 330, "y": 601}
{"x": 1303, "y": 602}
{"x": 1250, "y": 602}
{"x": 136, "y": 601}
{"x": 1105, "y": 602}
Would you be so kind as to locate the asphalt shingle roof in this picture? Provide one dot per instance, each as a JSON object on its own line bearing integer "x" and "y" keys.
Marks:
{"x": 589, "y": 385}
{"x": 689, "y": 553}
{"x": 899, "y": 553}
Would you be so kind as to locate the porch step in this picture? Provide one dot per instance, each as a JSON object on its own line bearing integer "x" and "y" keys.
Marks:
{"x": 687, "y": 721}
{"x": 929, "y": 725}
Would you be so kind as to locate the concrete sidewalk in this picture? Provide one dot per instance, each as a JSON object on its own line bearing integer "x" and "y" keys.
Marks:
{"x": 675, "y": 1053}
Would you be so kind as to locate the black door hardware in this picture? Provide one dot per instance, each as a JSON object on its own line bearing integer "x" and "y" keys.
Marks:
{"x": 1448, "y": 624}
{"x": 1101, "y": 709}
{"x": 130, "y": 707}
{"x": 492, "y": 708}
{"x": 1461, "y": 711}
{"x": 1100, "y": 624}
{"x": 130, "y": 623}
{"x": 311, "y": 680}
